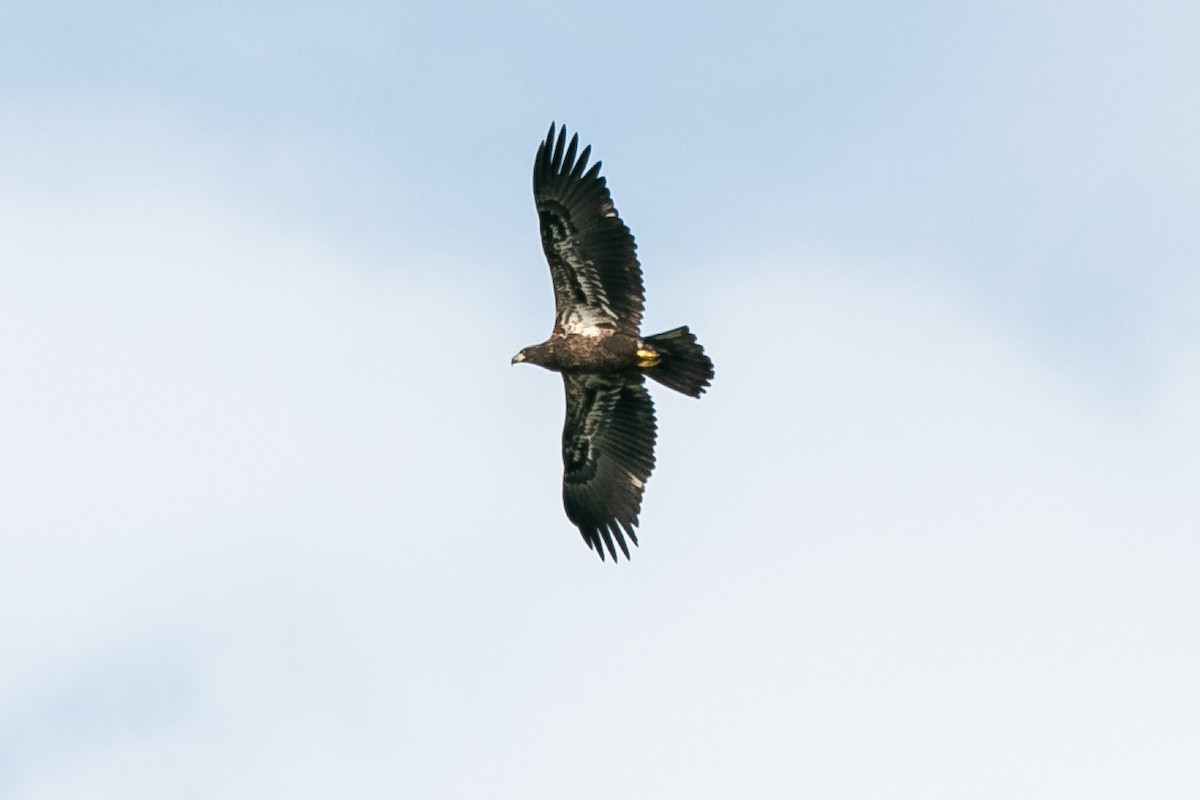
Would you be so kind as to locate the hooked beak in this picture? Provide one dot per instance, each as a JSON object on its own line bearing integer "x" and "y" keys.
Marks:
{"x": 518, "y": 358}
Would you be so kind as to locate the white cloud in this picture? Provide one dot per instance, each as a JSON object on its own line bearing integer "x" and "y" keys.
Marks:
{"x": 273, "y": 525}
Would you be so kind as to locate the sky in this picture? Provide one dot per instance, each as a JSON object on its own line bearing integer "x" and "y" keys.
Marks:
{"x": 278, "y": 518}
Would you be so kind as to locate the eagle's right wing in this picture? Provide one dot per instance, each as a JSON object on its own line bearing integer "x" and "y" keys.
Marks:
{"x": 593, "y": 259}
{"x": 608, "y": 454}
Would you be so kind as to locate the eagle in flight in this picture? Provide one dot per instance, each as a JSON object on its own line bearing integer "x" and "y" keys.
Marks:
{"x": 597, "y": 345}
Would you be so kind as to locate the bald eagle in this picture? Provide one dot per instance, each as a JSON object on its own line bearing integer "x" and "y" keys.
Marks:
{"x": 597, "y": 346}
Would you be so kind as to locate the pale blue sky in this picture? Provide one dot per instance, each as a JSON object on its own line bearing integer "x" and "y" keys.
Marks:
{"x": 279, "y": 519}
{"x": 1033, "y": 153}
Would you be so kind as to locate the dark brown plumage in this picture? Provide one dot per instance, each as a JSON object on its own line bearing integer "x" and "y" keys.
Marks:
{"x": 609, "y": 433}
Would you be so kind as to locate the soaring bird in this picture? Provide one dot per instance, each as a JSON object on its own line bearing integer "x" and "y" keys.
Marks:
{"x": 597, "y": 346}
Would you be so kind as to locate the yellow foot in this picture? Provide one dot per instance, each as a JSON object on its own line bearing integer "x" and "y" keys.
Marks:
{"x": 648, "y": 357}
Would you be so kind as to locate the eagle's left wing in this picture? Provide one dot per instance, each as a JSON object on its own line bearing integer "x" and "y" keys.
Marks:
{"x": 593, "y": 258}
{"x": 608, "y": 454}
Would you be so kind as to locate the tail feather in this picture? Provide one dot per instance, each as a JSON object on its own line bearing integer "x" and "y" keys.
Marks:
{"x": 682, "y": 365}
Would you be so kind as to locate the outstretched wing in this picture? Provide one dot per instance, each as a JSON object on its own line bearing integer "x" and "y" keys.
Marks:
{"x": 592, "y": 255}
{"x": 608, "y": 454}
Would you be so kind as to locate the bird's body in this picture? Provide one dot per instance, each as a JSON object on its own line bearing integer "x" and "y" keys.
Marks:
{"x": 581, "y": 352}
{"x": 609, "y": 433}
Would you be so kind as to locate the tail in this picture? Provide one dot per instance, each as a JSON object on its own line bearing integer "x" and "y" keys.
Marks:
{"x": 678, "y": 362}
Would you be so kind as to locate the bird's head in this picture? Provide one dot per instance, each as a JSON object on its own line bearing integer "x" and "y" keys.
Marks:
{"x": 538, "y": 354}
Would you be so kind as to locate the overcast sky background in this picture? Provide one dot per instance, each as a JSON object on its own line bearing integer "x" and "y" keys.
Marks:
{"x": 278, "y": 519}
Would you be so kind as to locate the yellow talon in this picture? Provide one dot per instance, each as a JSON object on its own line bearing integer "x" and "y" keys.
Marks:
{"x": 647, "y": 357}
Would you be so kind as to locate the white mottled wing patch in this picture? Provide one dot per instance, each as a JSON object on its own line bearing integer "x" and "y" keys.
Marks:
{"x": 585, "y": 321}
{"x": 580, "y": 294}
